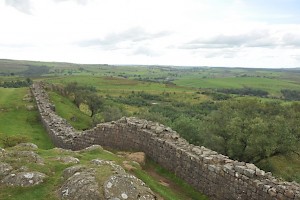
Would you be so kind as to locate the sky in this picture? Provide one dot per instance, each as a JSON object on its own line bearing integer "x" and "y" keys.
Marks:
{"x": 225, "y": 33}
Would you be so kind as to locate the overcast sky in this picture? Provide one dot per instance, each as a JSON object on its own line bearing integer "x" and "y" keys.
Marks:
{"x": 237, "y": 33}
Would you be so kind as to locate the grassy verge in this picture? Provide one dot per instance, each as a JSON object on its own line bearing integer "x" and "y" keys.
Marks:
{"x": 18, "y": 119}
{"x": 176, "y": 190}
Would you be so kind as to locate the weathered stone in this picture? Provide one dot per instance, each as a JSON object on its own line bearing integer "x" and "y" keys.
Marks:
{"x": 116, "y": 168}
{"x": 27, "y": 146}
{"x": 70, "y": 171}
{"x": 4, "y": 169}
{"x": 2, "y": 152}
{"x": 272, "y": 192}
{"x": 127, "y": 187}
{"x": 260, "y": 172}
{"x": 68, "y": 160}
{"x": 93, "y": 148}
{"x": 24, "y": 179}
{"x": 80, "y": 186}
{"x": 289, "y": 193}
{"x": 249, "y": 172}
{"x": 28, "y": 156}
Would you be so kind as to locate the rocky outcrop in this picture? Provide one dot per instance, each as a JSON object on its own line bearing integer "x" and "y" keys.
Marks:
{"x": 86, "y": 181}
{"x": 81, "y": 183}
{"x": 125, "y": 186}
{"x": 24, "y": 179}
{"x": 80, "y": 186}
{"x": 211, "y": 173}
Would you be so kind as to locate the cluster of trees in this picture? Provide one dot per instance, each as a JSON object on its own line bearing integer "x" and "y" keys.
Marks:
{"x": 16, "y": 84}
{"x": 82, "y": 94}
{"x": 292, "y": 95}
{"x": 245, "y": 91}
{"x": 252, "y": 130}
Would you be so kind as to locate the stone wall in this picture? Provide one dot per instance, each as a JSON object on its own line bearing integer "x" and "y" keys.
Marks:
{"x": 211, "y": 173}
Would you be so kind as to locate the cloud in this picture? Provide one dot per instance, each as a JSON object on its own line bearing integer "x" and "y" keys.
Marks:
{"x": 17, "y": 46}
{"x": 145, "y": 51}
{"x": 252, "y": 39}
{"x": 291, "y": 40}
{"x": 81, "y": 2}
{"x": 221, "y": 53}
{"x": 113, "y": 40}
{"x": 21, "y": 5}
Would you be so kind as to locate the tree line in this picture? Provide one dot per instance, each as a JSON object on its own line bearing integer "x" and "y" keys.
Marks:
{"x": 16, "y": 84}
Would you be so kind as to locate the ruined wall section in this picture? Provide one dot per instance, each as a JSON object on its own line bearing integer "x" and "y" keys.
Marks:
{"x": 211, "y": 173}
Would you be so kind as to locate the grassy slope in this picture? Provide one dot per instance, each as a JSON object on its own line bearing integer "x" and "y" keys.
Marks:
{"x": 66, "y": 109}
{"x": 114, "y": 86}
{"x": 15, "y": 119}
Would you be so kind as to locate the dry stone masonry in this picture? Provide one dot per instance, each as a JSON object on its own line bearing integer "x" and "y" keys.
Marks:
{"x": 211, "y": 173}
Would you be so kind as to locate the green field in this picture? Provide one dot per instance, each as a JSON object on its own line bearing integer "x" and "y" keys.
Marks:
{"x": 271, "y": 85}
{"x": 17, "y": 120}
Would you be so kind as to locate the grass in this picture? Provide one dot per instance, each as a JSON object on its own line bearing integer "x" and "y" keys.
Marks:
{"x": 16, "y": 120}
{"x": 287, "y": 167}
{"x": 66, "y": 109}
{"x": 271, "y": 85}
{"x": 180, "y": 190}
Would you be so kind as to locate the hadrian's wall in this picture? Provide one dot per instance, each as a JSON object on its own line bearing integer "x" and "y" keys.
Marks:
{"x": 211, "y": 173}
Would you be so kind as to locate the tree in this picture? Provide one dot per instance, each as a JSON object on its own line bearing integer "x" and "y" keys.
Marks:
{"x": 251, "y": 130}
{"x": 94, "y": 102}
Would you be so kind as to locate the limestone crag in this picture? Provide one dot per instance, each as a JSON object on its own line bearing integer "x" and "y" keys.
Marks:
{"x": 211, "y": 173}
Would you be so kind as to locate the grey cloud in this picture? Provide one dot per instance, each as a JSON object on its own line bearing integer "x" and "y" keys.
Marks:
{"x": 21, "y": 5}
{"x": 253, "y": 39}
{"x": 134, "y": 35}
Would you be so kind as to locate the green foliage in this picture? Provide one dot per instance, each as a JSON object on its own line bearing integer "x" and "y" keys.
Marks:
{"x": 251, "y": 130}
{"x": 292, "y": 95}
{"x": 82, "y": 94}
{"x": 189, "y": 129}
{"x": 111, "y": 113}
{"x": 245, "y": 91}
{"x": 16, "y": 84}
